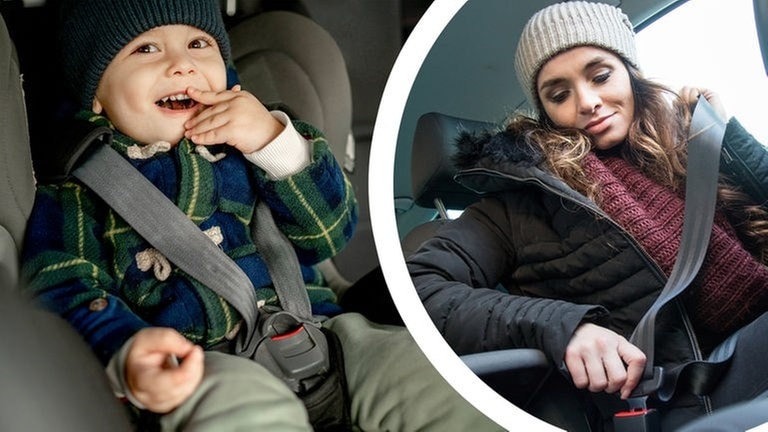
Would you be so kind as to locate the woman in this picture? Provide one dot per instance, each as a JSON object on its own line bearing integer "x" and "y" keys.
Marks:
{"x": 581, "y": 219}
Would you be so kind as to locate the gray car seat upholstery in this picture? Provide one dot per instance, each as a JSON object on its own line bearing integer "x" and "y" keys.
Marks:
{"x": 51, "y": 381}
{"x": 50, "y": 378}
{"x": 17, "y": 187}
{"x": 288, "y": 60}
{"x": 370, "y": 34}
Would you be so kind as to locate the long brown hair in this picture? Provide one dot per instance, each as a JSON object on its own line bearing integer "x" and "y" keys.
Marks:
{"x": 655, "y": 143}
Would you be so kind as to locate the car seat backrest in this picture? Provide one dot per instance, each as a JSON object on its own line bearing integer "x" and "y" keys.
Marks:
{"x": 433, "y": 169}
{"x": 286, "y": 58}
{"x": 17, "y": 186}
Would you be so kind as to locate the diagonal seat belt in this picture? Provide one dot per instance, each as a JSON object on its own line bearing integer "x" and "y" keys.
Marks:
{"x": 169, "y": 230}
{"x": 704, "y": 142}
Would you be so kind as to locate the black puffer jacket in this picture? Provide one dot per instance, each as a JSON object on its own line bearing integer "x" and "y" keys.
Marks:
{"x": 533, "y": 259}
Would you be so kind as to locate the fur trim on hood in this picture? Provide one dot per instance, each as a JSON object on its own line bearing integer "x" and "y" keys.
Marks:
{"x": 494, "y": 149}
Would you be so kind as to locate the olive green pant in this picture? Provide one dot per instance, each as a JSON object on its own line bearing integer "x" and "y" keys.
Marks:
{"x": 392, "y": 387}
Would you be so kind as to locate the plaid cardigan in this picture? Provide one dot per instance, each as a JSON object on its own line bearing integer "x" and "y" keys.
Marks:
{"x": 84, "y": 262}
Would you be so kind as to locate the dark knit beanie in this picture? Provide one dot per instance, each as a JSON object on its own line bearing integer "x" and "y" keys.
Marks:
{"x": 92, "y": 32}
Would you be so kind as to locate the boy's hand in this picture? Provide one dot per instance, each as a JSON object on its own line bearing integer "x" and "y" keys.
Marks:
{"x": 153, "y": 379}
{"x": 601, "y": 360}
{"x": 234, "y": 117}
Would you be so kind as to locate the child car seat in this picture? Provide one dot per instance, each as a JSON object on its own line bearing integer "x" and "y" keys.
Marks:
{"x": 287, "y": 60}
{"x": 17, "y": 188}
{"x": 51, "y": 380}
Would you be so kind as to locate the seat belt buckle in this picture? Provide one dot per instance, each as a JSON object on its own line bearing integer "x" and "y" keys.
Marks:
{"x": 649, "y": 385}
{"x": 299, "y": 353}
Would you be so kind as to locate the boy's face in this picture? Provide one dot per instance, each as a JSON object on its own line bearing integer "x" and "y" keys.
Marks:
{"x": 144, "y": 89}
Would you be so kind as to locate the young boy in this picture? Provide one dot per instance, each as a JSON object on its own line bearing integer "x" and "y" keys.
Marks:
{"x": 156, "y": 71}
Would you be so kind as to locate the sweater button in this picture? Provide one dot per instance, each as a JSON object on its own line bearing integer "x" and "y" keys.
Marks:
{"x": 98, "y": 305}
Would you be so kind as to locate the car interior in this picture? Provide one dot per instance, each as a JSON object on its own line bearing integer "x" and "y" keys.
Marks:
{"x": 326, "y": 63}
{"x": 484, "y": 91}
{"x": 35, "y": 339}
{"x": 482, "y": 83}
{"x": 336, "y": 85}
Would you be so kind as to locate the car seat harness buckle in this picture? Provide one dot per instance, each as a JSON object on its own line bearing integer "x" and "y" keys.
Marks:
{"x": 294, "y": 350}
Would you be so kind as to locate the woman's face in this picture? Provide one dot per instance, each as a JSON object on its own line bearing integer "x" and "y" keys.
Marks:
{"x": 588, "y": 88}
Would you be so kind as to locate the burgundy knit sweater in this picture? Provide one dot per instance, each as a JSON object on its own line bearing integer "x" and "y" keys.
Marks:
{"x": 731, "y": 288}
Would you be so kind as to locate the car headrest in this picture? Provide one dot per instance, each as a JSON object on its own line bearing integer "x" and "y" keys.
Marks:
{"x": 17, "y": 186}
{"x": 287, "y": 59}
{"x": 432, "y": 168}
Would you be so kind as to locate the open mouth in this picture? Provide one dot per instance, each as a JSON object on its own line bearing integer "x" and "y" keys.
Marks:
{"x": 176, "y": 102}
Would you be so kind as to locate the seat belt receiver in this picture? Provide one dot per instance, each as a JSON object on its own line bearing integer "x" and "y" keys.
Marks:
{"x": 293, "y": 349}
{"x": 641, "y": 420}
{"x": 298, "y": 353}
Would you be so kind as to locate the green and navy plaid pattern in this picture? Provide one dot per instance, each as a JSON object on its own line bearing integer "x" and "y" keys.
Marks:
{"x": 80, "y": 257}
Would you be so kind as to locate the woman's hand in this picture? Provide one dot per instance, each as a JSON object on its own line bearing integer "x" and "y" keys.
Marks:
{"x": 151, "y": 373}
{"x": 691, "y": 95}
{"x": 599, "y": 359}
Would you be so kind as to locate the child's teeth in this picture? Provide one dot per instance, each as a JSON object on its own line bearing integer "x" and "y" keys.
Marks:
{"x": 177, "y": 97}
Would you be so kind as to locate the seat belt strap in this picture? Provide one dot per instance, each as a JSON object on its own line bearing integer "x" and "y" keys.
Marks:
{"x": 168, "y": 229}
{"x": 281, "y": 262}
{"x": 164, "y": 225}
{"x": 705, "y": 140}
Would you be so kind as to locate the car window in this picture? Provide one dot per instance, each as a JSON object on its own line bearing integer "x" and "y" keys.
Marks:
{"x": 712, "y": 44}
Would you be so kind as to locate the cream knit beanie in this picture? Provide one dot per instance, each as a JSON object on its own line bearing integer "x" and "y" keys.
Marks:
{"x": 561, "y": 26}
